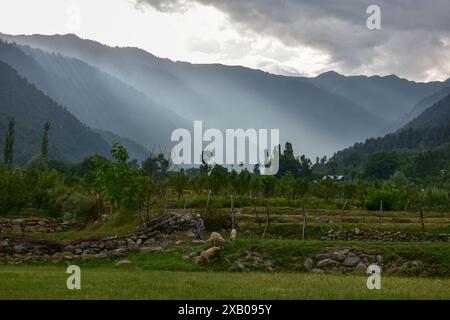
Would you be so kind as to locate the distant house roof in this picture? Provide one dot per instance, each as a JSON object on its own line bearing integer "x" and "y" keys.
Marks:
{"x": 333, "y": 177}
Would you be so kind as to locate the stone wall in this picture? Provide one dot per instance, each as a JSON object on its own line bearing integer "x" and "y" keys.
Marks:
{"x": 383, "y": 236}
{"x": 29, "y": 225}
{"x": 343, "y": 260}
{"x": 27, "y": 250}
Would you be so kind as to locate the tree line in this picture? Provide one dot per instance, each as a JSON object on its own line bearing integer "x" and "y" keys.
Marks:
{"x": 99, "y": 185}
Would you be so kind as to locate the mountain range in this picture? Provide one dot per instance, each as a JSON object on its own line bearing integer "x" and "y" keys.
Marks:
{"x": 431, "y": 129}
{"x": 141, "y": 97}
{"x": 69, "y": 139}
{"x": 94, "y": 97}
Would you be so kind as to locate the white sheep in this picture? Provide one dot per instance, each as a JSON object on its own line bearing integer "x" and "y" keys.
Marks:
{"x": 216, "y": 239}
{"x": 209, "y": 254}
{"x": 233, "y": 234}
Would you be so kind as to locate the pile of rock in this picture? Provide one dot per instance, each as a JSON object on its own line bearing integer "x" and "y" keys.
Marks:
{"x": 251, "y": 260}
{"x": 25, "y": 250}
{"x": 35, "y": 225}
{"x": 343, "y": 260}
{"x": 382, "y": 236}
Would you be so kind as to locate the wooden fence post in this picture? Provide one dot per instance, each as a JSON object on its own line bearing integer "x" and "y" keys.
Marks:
{"x": 342, "y": 212}
{"x": 267, "y": 220}
{"x": 422, "y": 222}
{"x": 232, "y": 212}
{"x": 381, "y": 212}
{"x": 305, "y": 219}
{"x": 407, "y": 205}
{"x": 255, "y": 211}
{"x": 207, "y": 202}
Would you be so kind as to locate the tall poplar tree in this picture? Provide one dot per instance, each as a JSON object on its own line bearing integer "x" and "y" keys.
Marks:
{"x": 44, "y": 144}
{"x": 8, "y": 149}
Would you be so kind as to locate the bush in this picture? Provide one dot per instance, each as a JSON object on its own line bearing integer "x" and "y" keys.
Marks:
{"x": 68, "y": 216}
{"x": 391, "y": 197}
{"x": 82, "y": 206}
{"x": 217, "y": 219}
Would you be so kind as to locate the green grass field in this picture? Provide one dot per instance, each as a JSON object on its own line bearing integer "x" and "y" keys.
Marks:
{"x": 49, "y": 282}
{"x": 167, "y": 275}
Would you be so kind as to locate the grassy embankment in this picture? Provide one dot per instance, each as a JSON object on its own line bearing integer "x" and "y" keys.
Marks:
{"x": 44, "y": 282}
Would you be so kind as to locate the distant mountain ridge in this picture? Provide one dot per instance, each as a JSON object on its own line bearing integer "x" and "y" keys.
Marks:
{"x": 420, "y": 107}
{"x": 96, "y": 98}
{"x": 390, "y": 96}
{"x": 135, "y": 150}
{"x": 315, "y": 120}
{"x": 319, "y": 115}
{"x": 438, "y": 115}
{"x": 429, "y": 130}
{"x": 69, "y": 139}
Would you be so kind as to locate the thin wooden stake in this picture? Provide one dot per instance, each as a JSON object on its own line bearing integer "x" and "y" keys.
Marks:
{"x": 207, "y": 201}
{"x": 305, "y": 218}
{"x": 342, "y": 212}
{"x": 232, "y": 213}
{"x": 407, "y": 205}
{"x": 422, "y": 222}
{"x": 267, "y": 221}
{"x": 255, "y": 211}
{"x": 381, "y": 212}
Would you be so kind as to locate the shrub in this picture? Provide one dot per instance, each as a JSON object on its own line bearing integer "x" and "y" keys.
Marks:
{"x": 216, "y": 219}
{"x": 68, "y": 216}
{"x": 82, "y": 206}
{"x": 391, "y": 197}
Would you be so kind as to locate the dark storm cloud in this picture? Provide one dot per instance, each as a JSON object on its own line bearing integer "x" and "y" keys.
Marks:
{"x": 414, "y": 40}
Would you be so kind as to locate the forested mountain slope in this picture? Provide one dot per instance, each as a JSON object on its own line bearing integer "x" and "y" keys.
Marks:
{"x": 69, "y": 139}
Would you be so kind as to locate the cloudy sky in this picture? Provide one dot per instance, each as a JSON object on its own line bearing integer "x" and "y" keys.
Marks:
{"x": 291, "y": 37}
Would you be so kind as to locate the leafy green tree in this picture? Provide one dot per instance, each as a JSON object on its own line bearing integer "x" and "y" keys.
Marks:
{"x": 301, "y": 187}
{"x": 287, "y": 161}
{"x": 268, "y": 184}
{"x": 255, "y": 186}
{"x": 244, "y": 182}
{"x": 400, "y": 179}
{"x": 382, "y": 165}
{"x": 326, "y": 189}
{"x": 286, "y": 185}
{"x": 119, "y": 153}
{"x": 389, "y": 194}
{"x": 179, "y": 181}
{"x": 218, "y": 179}
{"x": 288, "y": 151}
{"x": 305, "y": 171}
{"x": 350, "y": 191}
{"x": 233, "y": 182}
{"x": 256, "y": 170}
{"x": 120, "y": 183}
{"x": 156, "y": 166}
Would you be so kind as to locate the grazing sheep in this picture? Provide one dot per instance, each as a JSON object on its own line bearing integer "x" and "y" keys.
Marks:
{"x": 233, "y": 234}
{"x": 216, "y": 238}
{"x": 209, "y": 254}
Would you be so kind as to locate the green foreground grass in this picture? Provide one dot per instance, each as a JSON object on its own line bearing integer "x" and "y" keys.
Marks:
{"x": 49, "y": 282}
{"x": 166, "y": 275}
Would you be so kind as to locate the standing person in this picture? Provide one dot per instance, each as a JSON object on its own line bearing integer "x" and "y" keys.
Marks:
{"x": 199, "y": 227}
{"x": 1, "y": 231}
